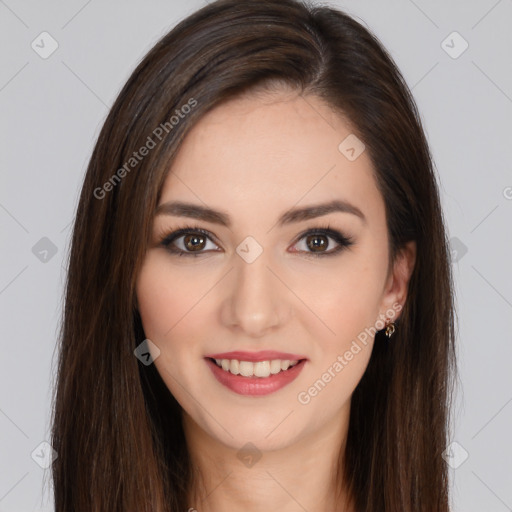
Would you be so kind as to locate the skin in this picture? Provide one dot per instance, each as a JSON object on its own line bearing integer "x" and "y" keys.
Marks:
{"x": 254, "y": 158}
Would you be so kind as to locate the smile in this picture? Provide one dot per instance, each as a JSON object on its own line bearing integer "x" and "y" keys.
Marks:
{"x": 255, "y": 369}
{"x": 255, "y": 378}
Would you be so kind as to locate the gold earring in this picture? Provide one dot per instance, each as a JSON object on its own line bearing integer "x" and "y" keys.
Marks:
{"x": 390, "y": 328}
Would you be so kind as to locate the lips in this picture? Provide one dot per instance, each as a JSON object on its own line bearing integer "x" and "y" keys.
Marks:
{"x": 255, "y": 373}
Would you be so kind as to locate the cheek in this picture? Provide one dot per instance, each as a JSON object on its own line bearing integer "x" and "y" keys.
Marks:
{"x": 345, "y": 297}
{"x": 154, "y": 299}
{"x": 166, "y": 309}
{"x": 175, "y": 308}
{"x": 164, "y": 300}
{"x": 166, "y": 297}
{"x": 349, "y": 307}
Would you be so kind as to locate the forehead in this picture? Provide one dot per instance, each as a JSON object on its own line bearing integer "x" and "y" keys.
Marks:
{"x": 278, "y": 148}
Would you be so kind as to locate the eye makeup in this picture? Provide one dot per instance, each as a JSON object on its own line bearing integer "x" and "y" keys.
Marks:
{"x": 325, "y": 234}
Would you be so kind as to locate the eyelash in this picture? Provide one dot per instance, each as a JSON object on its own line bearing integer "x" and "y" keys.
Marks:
{"x": 342, "y": 240}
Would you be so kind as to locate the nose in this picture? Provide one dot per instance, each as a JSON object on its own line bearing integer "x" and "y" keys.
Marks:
{"x": 256, "y": 301}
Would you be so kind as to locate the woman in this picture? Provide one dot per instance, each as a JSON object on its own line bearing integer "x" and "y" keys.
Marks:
{"x": 259, "y": 310}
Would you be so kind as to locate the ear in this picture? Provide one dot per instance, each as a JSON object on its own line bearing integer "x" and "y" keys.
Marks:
{"x": 395, "y": 290}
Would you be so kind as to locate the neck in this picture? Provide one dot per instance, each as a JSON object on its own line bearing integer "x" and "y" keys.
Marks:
{"x": 301, "y": 476}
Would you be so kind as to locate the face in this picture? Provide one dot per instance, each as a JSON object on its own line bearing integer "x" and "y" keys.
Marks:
{"x": 258, "y": 285}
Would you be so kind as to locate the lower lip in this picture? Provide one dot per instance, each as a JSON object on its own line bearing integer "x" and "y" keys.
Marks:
{"x": 255, "y": 386}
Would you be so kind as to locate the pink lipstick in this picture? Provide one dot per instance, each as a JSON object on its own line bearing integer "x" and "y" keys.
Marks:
{"x": 255, "y": 373}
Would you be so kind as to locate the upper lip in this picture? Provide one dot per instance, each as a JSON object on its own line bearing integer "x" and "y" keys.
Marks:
{"x": 263, "y": 355}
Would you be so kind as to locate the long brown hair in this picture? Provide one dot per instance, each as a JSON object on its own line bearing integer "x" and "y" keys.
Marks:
{"x": 116, "y": 427}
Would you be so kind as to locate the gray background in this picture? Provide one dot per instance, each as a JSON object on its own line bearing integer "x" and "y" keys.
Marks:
{"x": 52, "y": 110}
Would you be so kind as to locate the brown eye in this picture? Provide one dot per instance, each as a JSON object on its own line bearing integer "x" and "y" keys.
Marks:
{"x": 322, "y": 242}
{"x": 189, "y": 242}
{"x": 317, "y": 243}
{"x": 194, "y": 242}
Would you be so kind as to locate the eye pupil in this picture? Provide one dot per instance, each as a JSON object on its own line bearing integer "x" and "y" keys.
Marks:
{"x": 320, "y": 242}
{"x": 194, "y": 241}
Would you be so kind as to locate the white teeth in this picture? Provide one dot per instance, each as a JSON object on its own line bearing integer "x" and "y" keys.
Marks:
{"x": 246, "y": 368}
{"x": 275, "y": 366}
{"x": 262, "y": 368}
{"x": 234, "y": 367}
{"x": 259, "y": 369}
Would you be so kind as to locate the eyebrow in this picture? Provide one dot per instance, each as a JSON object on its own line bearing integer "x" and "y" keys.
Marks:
{"x": 182, "y": 209}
